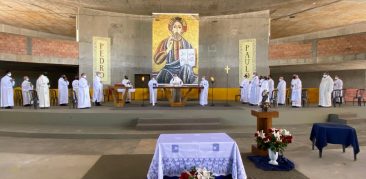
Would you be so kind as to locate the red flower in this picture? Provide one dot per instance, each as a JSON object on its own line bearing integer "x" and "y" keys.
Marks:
{"x": 184, "y": 175}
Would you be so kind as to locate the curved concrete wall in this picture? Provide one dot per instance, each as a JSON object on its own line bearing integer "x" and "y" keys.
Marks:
{"x": 131, "y": 38}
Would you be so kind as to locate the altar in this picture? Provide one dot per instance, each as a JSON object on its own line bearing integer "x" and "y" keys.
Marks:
{"x": 217, "y": 152}
{"x": 176, "y": 95}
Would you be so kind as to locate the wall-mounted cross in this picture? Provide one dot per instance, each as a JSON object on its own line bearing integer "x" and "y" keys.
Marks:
{"x": 227, "y": 69}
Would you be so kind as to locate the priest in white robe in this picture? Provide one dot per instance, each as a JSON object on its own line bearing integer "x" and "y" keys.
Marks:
{"x": 270, "y": 86}
{"x": 338, "y": 85}
{"x": 75, "y": 86}
{"x": 249, "y": 88}
{"x": 325, "y": 91}
{"x": 296, "y": 87}
{"x": 83, "y": 93}
{"x": 176, "y": 81}
{"x": 26, "y": 90}
{"x": 244, "y": 90}
{"x": 263, "y": 87}
{"x": 254, "y": 90}
{"x": 42, "y": 87}
{"x": 63, "y": 91}
{"x": 153, "y": 92}
{"x": 97, "y": 89}
{"x": 7, "y": 92}
{"x": 204, "y": 92}
{"x": 127, "y": 83}
{"x": 281, "y": 91}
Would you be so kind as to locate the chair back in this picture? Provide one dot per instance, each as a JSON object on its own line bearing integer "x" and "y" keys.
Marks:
{"x": 274, "y": 94}
{"x": 337, "y": 93}
{"x": 304, "y": 94}
{"x": 54, "y": 97}
{"x": 33, "y": 98}
{"x": 288, "y": 96}
{"x": 18, "y": 97}
{"x": 359, "y": 93}
{"x": 73, "y": 98}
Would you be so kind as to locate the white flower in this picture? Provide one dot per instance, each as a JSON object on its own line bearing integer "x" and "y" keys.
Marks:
{"x": 286, "y": 132}
{"x": 203, "y": 174}
{"x": 262, "y": 134}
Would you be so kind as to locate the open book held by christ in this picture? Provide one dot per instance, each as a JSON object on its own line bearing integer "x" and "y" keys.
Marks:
{"x": 187, "y": 56}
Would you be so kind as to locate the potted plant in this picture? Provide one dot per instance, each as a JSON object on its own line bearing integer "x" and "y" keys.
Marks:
{"x": 275, "y": 141}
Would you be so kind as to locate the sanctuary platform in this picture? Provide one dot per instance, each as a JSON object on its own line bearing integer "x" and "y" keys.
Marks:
{"x": 134, "y": 121}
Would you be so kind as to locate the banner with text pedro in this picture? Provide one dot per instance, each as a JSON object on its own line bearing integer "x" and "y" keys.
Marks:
{"x": 101, "y": 58}
{"x": 247, "y": 60}
{"x": 175, "y": 47}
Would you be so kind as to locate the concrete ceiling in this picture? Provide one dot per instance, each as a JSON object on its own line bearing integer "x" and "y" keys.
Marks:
{"x": 288, "y": 17}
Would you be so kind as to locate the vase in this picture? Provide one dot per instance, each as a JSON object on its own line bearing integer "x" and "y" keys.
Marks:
{"x": 273, "y": 157}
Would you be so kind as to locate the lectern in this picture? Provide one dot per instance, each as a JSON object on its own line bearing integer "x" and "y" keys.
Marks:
{"x": 264, "y": 122}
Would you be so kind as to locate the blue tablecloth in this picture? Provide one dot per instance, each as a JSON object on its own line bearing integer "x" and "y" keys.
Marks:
{"x": 323, "y": 133}
{"x": 217, "y": 152}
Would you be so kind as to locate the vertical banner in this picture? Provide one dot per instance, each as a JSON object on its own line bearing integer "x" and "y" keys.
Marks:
{"x": 175, "y": 47}
{"x": 247, "y": 60}
{"x": 101, "y": 58}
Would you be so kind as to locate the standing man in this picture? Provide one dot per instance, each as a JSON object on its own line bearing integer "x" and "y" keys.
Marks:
{"x": 26, "y": 88}
{"x": 97, "y": 89}
{"x": 176, "y": 81}
{"x": 281, "y": 93}
{"x": 244, "y": 90}
{"x": 254, "y": 90}
{"x": 83, "y": 93}
{"x": 127, "y": 83}
{"x": 325, "y": 91}
{"x": 338, "y": 85}
{"x": 296, "y": 87}
{"x": 204, "y": 92}
{"x": 42, "y": 86}
{"x": 6, "y": 92}
{"x": 75, "y": 86}
{"x": 63, "y": 91}
{"x": 153, "y": 92}
{"x": 270, "y": 86}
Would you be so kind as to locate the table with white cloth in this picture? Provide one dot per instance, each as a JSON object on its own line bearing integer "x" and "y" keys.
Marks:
{"x": 216, "y": 152}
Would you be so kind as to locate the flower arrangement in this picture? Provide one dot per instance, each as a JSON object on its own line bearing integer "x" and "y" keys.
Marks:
{"x": 196, "y": 173}
{"x": 275, "y": 139}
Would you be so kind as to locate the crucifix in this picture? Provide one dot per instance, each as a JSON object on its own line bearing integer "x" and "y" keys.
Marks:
{"x": 227, "y": 85}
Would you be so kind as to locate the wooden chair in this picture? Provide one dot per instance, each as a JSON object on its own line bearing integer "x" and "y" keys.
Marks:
{"x": 33, "y": 98}
{"x": 18, "y": 97}
{"x": 305, "y": 97}
{"x": 288, "y": 97}
{"x": 273, "y": 98}
{"x": 53, "y": 97}
{"x": 73, "y": 99}
{"x": 359, "y": 97}
{"x": 337, "y": 97}
{"x": 106, "y": 94}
